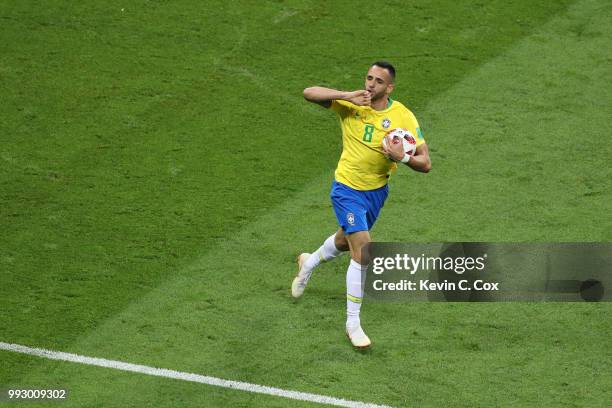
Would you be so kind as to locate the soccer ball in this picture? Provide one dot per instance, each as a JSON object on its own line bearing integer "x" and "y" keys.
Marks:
{"x": 403, "y": 135}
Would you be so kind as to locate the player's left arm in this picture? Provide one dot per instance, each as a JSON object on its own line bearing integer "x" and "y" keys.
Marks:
{"x": 420, "y": 160}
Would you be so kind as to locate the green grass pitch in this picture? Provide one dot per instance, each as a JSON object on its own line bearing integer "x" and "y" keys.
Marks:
{"x": 159, "y": 172}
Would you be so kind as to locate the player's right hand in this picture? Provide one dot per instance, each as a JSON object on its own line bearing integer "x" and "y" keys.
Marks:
{"x": 360, "y": 98}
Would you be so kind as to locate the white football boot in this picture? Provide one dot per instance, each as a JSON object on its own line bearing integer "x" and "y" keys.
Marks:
{"x": 357, "y": 337}
{"x": 300, "y": 281}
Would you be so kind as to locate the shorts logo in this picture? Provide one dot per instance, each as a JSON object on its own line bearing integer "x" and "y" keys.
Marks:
{"x": 386, "y": 123}
{"x": 350, "y": 217}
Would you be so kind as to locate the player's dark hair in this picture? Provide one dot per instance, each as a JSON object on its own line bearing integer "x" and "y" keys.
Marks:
{"x": 386, "y": 65}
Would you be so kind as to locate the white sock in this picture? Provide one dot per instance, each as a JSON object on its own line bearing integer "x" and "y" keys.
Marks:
{"x": 354, "y": 293}
{"x": 326, "y": 252}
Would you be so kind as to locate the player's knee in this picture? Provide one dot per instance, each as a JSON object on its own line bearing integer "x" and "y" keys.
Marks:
{"x": 359, "y": 248}
{"x": 341, "y": 242}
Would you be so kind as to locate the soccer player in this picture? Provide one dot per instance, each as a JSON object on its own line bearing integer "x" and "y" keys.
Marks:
{"x": 360, "y": 186}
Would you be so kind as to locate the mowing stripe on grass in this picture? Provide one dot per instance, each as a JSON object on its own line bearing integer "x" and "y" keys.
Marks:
{"x": 191, "y": 377}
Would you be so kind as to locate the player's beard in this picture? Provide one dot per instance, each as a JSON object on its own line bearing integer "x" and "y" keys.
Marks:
{"x": 378, "y": 96}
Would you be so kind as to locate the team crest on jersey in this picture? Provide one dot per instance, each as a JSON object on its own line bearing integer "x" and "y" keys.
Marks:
{"x": 350, "y": 217}
{"x": 386, "y": 123}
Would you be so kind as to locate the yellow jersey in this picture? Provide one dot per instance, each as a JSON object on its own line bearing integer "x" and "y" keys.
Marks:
{"x": 362, "y": 165}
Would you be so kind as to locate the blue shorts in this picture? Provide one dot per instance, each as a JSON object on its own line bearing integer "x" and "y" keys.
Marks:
{"x": 357, "y": 210}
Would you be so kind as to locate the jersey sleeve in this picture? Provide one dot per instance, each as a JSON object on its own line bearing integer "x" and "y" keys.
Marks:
{"x": 417, "y": 129}
{"x": 341, "y": 107}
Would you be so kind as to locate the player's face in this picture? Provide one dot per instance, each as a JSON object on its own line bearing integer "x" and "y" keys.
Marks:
{"x": 378, "y": 82}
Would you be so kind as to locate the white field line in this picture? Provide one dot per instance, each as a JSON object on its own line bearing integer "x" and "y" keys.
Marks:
{"x": 178, "y": 375}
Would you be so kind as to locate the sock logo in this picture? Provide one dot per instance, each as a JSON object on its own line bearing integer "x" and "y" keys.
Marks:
{"x": 350, "y": 217}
